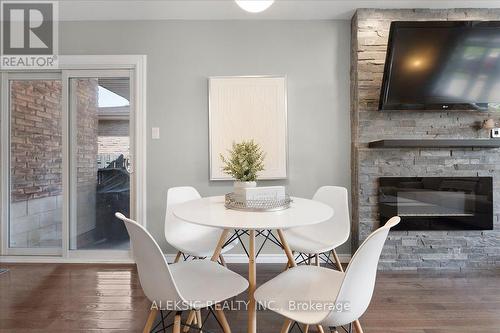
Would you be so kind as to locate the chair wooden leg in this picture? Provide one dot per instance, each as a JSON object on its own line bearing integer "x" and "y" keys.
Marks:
{"x": 177, "y": 324}
{"x": 190, "y": 319}
{"x": 357, "y": 326}
{"x": 150, "y": 321}
{"x": 222, "y": 261}
{"x": 287, "y": 249}
{"x": 177, "y": 257}
{"x": 320, "y": 329}
{"x": 220, "y": 244}
{"x": 288, "y": 265}
{"x": 286, "y": 326}
{"x": 223, "y": 321}
{"x": 198, "y": 319}
{"x": 306, "y": 328}
{"x": 337, "y": 260}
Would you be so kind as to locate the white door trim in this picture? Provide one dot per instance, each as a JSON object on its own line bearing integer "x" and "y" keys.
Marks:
{"x": 138, "y": 65}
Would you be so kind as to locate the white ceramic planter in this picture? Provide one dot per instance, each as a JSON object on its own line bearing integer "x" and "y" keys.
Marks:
{"x": 242, "y": 185}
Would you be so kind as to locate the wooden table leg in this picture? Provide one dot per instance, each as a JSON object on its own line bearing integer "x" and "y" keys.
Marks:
{"x": 291, "y": 263}
{"x": 252, "y": 309}
{"x": 220, "y": 244}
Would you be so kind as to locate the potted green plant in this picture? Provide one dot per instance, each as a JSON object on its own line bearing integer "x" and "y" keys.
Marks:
{"x": 245, "y": 161}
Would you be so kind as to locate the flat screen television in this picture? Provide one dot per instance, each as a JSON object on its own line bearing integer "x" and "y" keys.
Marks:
{"x": 442, "y": 65}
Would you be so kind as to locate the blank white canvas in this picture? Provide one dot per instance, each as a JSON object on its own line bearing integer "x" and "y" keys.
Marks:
{"x": 244, "y": 108}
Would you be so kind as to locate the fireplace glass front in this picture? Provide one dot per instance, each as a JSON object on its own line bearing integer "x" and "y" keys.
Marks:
{"x": 437, "y": 203}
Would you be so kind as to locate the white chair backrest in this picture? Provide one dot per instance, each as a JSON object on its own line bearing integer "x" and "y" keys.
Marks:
{"x": 359, "y": 280}
{"x": 176, "y": 229}
{"x": 154, "y": 273}
{"x": 337, "y": 198}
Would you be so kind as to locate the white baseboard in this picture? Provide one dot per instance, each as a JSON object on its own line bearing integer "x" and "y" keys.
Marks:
{"x": 232, "y": 258}
{"x": 60, "y": 260}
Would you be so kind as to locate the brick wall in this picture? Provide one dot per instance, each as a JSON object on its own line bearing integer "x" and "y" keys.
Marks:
{"x": 86, "y": 97}
{"x": 412, "y": 249}
{"x": 36, "y": 160}
{"x": 36, "y": 163}
{"x": 113, "y": 137}
{"x": 36, "y": 139}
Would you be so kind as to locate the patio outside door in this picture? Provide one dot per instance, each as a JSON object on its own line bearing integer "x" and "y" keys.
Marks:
{"x": 69, "y": 150}
{"x": 100, "y": 164}
{"x": 32, "y": 155}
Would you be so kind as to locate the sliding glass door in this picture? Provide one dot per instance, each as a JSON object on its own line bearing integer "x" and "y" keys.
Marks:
{"x": 67, "y": 139}
{"x": 34, "y": 155}
{"x": 100, "y": 162}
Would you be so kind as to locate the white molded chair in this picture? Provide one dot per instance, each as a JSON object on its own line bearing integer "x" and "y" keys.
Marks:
{"x": 188, "y": 285}
{"x": 324, "y": 237}
{"x": 190, "y": 239}
{"x": 323, "y": 286}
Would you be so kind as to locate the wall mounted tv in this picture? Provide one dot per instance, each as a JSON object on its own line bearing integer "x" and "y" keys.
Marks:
{"x": 442, "y": 65}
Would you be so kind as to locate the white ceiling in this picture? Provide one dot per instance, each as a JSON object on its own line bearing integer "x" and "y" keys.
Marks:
{"x": 80, "y": 10}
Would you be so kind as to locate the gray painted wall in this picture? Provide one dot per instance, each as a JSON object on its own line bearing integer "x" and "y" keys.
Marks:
{"x": 314, "y": 55}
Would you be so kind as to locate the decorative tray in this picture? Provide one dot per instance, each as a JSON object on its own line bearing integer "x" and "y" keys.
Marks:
{"x": 233, "y": 202}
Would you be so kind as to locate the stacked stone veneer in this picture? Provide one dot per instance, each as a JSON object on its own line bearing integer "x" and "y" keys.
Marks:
{"x": 412, "y": 249}
{"x": 36, "y": 163}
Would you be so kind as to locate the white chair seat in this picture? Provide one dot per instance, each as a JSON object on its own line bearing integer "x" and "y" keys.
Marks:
{"x": 326, "y": 236}
{"x": 331, "y": 298}
{"x": 301, "y": 284}
{"x": 189, "y": 238}
{"x": 311, "y": 240}
{"x": 204, "y": 282}
{"x": 201, "y": 246}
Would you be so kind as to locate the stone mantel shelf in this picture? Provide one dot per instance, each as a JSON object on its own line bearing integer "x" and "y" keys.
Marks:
{"x": 435, "y": 143}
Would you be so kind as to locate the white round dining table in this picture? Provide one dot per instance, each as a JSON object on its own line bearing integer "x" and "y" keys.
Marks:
{"x": 210, "y": 211}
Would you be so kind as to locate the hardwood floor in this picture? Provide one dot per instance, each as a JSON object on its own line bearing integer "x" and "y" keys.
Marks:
{"x": 108, "y": 298}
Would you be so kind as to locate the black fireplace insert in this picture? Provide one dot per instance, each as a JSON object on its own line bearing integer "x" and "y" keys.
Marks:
{"x": 437, "y": 203}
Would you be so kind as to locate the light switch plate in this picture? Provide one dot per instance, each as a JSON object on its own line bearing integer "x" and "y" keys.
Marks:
{"x": 155, "y": 133}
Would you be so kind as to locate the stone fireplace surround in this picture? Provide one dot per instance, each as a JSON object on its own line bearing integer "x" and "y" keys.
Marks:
{"x": 414, "y": 250}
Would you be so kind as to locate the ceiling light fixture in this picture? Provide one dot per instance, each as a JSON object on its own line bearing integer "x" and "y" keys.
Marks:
{"x": 254, "y": 6}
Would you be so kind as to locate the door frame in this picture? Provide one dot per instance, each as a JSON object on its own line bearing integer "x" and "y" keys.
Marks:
{"x": 137, "y": 65}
